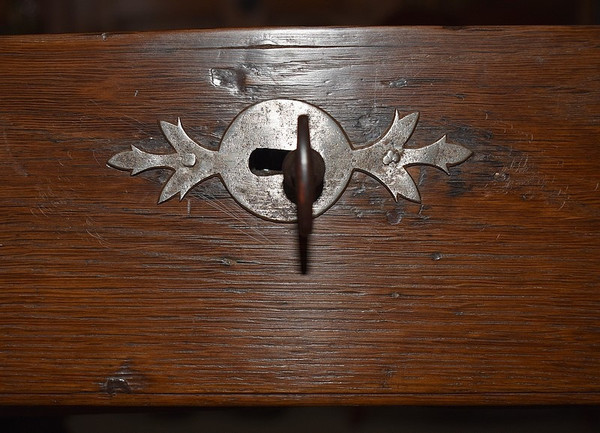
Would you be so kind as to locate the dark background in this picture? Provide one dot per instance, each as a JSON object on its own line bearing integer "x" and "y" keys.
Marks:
{"x": 66, "y": 16}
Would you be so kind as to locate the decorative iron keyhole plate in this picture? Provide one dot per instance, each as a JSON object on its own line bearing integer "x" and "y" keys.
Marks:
{"x": 272, "y": 125}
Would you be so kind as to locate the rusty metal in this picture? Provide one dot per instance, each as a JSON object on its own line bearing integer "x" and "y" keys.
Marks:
{"x": 271, "y": 127}
{"x": 303, "y": 173}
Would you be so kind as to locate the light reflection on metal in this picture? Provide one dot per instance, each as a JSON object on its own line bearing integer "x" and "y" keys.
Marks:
{"x": 272, "y": 125}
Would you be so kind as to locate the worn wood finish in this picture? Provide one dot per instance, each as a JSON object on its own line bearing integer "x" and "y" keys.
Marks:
{"x": 487, "y": 292}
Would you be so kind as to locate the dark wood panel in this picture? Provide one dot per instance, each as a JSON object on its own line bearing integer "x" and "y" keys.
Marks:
{"x": 487, "y": 292}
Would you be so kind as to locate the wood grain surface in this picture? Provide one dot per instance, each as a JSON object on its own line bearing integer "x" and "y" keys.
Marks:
{"x": 485, "y": 293}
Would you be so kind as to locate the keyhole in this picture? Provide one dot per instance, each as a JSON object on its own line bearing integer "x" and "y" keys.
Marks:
{"x": 267, "y": 162}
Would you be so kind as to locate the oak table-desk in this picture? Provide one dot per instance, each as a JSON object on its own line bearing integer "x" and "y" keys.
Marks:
{"x": 486, "y": 292}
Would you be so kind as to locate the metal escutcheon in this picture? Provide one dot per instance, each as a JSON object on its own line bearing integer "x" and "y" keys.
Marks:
{"x": 252, "y": 151}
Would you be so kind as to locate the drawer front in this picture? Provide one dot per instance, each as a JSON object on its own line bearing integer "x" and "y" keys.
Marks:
{"x": 485, "y": 292}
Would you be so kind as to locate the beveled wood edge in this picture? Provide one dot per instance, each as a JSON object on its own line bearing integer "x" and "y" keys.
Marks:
{"x": 286, "y": 37}
{"x": 283, "y": 399}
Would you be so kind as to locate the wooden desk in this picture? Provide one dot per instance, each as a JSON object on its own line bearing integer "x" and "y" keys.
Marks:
{"x": 486, "y": 293}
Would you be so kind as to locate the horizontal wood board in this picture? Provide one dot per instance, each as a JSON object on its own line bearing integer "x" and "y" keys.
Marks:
{"x": 485, "y": 293}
